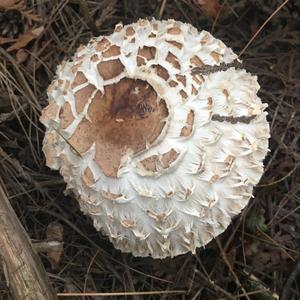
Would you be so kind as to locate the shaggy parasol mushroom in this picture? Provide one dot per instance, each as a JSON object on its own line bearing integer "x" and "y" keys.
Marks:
{"x": 160, "y": 134}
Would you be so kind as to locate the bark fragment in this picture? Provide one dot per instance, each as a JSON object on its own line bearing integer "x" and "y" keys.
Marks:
{"x": 25, "y": 274}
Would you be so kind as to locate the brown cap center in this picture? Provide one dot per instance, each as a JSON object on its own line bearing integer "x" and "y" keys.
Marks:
{"x": 126, "y": 119}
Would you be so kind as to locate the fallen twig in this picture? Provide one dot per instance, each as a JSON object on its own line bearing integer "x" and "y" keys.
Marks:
{"x": 23, "y": 269}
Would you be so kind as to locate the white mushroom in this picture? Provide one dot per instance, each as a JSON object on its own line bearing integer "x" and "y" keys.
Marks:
{"x": 159, "y": 133}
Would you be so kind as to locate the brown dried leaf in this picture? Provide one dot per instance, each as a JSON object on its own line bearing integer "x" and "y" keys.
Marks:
{"x": 211, "y": 8}
{"x": 54, "y": 257}
{"x": 21, "y": 7}
{"x": 11, "y": 4}
{"x": 31, "y": 17}
{"x": 55, "y": 232}
{"x": 265, "y": 257}
{"x": 26, "y": 38}
{"x": 21, "y": 56}
{"x": 4, "y": 40}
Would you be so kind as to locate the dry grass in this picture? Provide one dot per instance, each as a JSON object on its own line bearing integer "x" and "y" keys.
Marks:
{"x": 256, "y": 258}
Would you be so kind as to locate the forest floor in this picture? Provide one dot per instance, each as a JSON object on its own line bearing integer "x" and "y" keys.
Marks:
{"x": 257, "y": 257}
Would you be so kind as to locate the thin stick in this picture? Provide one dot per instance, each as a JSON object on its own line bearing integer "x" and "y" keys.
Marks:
{"x": 121, "y": 293}
{"x": 282, "y": 178}
{"x": 263, "y": 25}
{"x": 87, "y": 17}
{"x": 216, "y": 287}
{"x": 162, "y": 8}
{"x": 225, "y": 259}
{"x": 88, "y": 270}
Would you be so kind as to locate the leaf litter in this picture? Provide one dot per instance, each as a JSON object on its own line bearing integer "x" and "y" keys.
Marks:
{"x": 259, "y": 251}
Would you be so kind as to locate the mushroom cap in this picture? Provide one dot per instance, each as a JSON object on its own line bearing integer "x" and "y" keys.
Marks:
{"x": 159, "y": 133}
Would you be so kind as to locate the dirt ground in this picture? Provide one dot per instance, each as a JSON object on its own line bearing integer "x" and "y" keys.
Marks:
{"x": 257, "y": 257}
